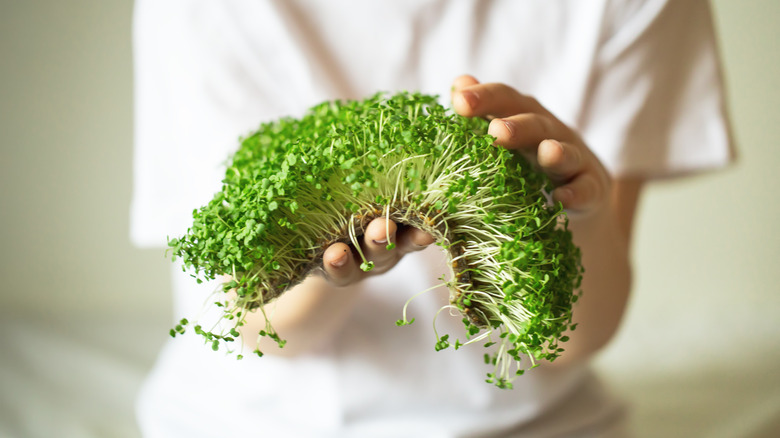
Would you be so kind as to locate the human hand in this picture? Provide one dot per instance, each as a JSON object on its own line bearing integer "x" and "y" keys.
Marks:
{"x": 341, "y": 264}
{"x": 521, "y": 123}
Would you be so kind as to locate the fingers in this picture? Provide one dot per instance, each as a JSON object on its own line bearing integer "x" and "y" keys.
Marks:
{"x": 562, "y": 162}
{"x": 463, "y": 81}
{"x": 379, "y": 235}
{"x": 519, "y": 122}
{"x": 583, "y": 193}
{"x": 341, "y": 262}
{"x": 525, "y": 131}
{"x": 412, "y": 239}
{"x": 581, "y": 183}
{"x": 472, "y": 99}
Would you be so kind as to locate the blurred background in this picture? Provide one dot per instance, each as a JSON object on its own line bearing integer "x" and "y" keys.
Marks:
{"x": 82, "y": 312}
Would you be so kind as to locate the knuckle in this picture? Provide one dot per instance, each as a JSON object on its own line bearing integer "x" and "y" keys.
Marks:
{"x": 542, "y": 125}
{"x": 571, "y": 160}
{"x": 596, "y": 190}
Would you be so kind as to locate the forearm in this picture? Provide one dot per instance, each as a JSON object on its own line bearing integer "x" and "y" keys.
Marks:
{"x": 305, "y": 316}
{"x": 605, "y": 289}
{"x": 314, "y": 310}
{"x": 604, "y": 238}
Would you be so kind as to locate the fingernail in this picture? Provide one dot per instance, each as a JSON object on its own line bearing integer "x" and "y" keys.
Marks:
{"x": 550, "y": 152}
{"x": 341, "y": 261}
{"x": 509, "y": 128}
{"x": 421, "y": 245}
{"x": 501, "y": 135}
{"x": 471, "y": 98}
{"x": 555, "y": 143}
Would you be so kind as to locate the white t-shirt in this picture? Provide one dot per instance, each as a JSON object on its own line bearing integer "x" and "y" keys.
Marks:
{"x": 638, "y": 79}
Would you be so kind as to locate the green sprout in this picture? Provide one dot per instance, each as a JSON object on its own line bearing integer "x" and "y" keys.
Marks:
{"x": 298, "y": 185}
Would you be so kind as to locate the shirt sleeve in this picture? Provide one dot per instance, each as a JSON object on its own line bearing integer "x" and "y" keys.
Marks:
{"x": 655, "y": 106}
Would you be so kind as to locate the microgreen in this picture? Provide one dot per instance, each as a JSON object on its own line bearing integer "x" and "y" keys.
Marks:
{"x": 296, "y": 186}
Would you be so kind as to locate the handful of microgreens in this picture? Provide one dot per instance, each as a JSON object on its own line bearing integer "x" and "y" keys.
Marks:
{"x": 296, "y": 186}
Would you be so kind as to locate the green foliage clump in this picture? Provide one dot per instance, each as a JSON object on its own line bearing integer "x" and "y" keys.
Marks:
{"x": 296, "y": 186}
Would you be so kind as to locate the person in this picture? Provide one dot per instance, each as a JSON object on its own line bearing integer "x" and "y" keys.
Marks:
{"x": 601, "y": 95}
